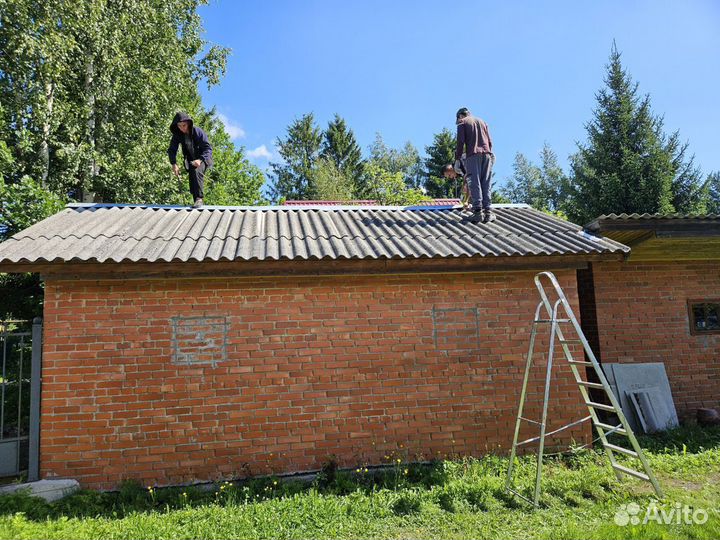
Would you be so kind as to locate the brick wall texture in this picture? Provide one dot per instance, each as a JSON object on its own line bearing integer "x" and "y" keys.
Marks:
{"x": 642, "y": 316}
{"x": 188, "y": 380}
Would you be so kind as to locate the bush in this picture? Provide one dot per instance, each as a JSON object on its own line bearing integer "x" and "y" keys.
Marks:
{"x": 405, "y": 504}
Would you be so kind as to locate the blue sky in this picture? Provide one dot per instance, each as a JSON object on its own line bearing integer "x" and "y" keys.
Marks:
{"x": 402, "y": 68}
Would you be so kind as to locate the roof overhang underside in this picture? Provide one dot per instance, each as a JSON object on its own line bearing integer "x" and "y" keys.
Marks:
{"x": 657, "y": 238}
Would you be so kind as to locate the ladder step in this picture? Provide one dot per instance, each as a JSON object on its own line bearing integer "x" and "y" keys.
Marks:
{"x": 550, "y": 320}
{"x": 631, "y": 472}
{"x": 614, "y": 429}
{"x": 621, "y": 450}
{"x": 591, "y": 384}
{"x": 600, "y": 406}
{"x": 580, "y": 362}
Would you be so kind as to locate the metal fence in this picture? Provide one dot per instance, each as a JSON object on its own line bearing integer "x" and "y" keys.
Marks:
{"x": 20, "y": 350}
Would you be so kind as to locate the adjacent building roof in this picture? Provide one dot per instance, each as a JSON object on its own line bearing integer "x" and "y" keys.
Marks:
{"x": 663, "y": 236}
{"x": 125, "y": 233}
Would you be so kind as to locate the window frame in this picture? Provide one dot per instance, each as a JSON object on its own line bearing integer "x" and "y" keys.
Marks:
{"x": 691, "y": 316}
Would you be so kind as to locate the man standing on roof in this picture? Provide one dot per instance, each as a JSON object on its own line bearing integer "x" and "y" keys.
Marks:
{"x": 197, "y": 153}
{"x": 473, "y": 138}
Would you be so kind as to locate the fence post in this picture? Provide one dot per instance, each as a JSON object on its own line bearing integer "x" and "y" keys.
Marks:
{"x": 35, "y": 383}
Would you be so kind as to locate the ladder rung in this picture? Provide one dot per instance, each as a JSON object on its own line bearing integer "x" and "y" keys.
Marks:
{"x": 580, "y": 362}
{"x": 531, "y": 421}
{"x": 621, "y": 450}
{"x": 550, "y": 320}
{"x": 591, "y": 384}
{"x": 511, "y": 490}
{"x": 631, "y": 472}
{"x": 614, "y": 429}
{"x": 600, "y": 406}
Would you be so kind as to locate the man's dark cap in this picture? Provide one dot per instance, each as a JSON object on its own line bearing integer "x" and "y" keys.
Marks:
{"x": 464, "y": 111}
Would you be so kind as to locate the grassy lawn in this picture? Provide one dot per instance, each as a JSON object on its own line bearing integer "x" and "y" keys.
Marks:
{"x": 448, "y": 499}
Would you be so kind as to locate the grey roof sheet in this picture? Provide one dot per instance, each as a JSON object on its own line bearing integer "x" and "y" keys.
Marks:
{"x": 125, "y": 233}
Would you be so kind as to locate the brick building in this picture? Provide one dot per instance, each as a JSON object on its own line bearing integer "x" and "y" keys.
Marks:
{"x": 190, "y": 345}
{"x": 662, "y": 304}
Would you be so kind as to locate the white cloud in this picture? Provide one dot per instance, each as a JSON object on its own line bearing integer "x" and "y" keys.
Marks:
{"x": 233, "y": 129}
{"x": 259, "y": 152}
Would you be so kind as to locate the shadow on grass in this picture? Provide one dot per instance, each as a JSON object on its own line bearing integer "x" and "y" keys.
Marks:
{"x": 418, "y": 478}
{"x": 132, "y": 497}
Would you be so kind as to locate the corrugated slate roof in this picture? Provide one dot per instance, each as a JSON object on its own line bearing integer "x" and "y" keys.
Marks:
{"x": 368, "y": 202}
{"x": 639, "y": 218}
{"x": 125, "y": 233}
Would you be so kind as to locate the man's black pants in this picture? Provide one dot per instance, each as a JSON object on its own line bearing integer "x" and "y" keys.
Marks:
{"x": 197, "y": 180}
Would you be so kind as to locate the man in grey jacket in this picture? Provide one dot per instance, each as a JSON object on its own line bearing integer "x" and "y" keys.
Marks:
{"x": 473, "y": 138}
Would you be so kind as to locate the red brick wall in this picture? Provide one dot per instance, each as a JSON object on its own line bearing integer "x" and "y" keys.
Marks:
{"x": 287, "y": 372}
{"x": 642, "y": 317}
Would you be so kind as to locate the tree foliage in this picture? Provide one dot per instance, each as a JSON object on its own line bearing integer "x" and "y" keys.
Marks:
{"x": 440, "y": 153}
{"x": 628, "y": 164}
{"x": 89, "y": 88}
{"x": 339, "y": 146}
{"x": 87, "y": 92}
{"x": 331, "y": 182}
{"x": 543, "y": 187}
{"x": 390, "y": 188}
{"x": 405, "y": 160}
{"x": 299, "y": 150}
{"x": 712, "y": 186}
{"x": 21, "y": 205}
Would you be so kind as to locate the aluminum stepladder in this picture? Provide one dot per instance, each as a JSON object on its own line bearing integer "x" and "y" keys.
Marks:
{"x": 603, "y": 429}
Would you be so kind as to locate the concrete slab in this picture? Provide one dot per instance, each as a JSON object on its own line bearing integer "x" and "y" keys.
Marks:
{"x": 649, "y": 384}
{"x": 50, "y": 490}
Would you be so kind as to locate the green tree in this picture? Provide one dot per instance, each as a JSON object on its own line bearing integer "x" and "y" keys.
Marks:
{"x": 89, "y": 89}
{"x": 405, "y": 161}
{"x": 21, "y": 205}
{"x": 340, "y": 146}
{"x": 331, "y": 182}
{"x": 628, "y": 164}
{"x": 523, "y": 186}
{"x": 232, "y": 180}
{"x": 689, "y": 195}
{"x": 390, "y": 188}
{"x": 300, "y": 149}
{"x": 440, "y": 153}
{"x": 713, "y": 189}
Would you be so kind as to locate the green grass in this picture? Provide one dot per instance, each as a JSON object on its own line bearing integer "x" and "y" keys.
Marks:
{"x": 448, "y": 499}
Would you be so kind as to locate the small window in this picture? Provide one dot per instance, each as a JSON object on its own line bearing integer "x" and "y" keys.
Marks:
{"x": 704, "y": 316}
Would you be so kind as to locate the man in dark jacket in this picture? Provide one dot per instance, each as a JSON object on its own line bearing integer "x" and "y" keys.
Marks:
{"x": 473, "y": 138}
{"x": 197, "y": 153}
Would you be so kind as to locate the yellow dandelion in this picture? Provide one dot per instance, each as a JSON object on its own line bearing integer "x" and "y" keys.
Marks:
{"x": 406, "y": 471}
{"x": 398, "y": 460}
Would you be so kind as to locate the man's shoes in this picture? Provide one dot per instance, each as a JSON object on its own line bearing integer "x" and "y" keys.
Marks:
{"x": 198, "y": 203}
{"x": 476, "y": 217}
{"x": 488, "y": 217}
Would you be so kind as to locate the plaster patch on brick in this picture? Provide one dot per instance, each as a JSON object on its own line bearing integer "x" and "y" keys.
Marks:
{"x": 199, "y": 340}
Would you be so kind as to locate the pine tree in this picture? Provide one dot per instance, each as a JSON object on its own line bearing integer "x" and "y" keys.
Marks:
{"x": 624, "y": 167}
{"x": 300, "y": 150}
{"x": 689, "y": 195}
{"x": 340, "y": 146}
{"x": 440, "y": 153}
{"x": 712, "y": 185}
